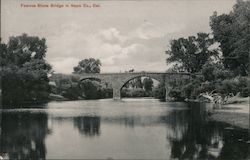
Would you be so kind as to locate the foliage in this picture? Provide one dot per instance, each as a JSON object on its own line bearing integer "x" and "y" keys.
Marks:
{"x": 138, "y": 82}
{"x": 138, "y": 87}
{"x": 137, "y": 92}
{"x": 244, "y": 86}
{"x": 3, "y": 54}
{"x": 72, "y": 93}
{"x": 90, "y": 65}
{"x": 72, "y": 89}
{"x": 215, "y": 71}
{"x": 90, "y": 89}
{"x": 24, "y": 70}
{"x": 148, "y": 84}
{"x": 160, "y": 92}
{"x": 191, "y": 53}
{"x": 62, "y": 83}
{"x": 233, "y": 33}
{"x": 193, "y": 88}
{"x": 94, "y": 90}
{"x": 22, "y": 49}
{"x": 225, "y": 74}
{"x": 176, "y": 93}
{"x": 105, "y": 92}
{"x": 134, "y": 83}
{"x": 234, "y": 85}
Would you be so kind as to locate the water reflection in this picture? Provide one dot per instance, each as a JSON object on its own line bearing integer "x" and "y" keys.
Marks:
{"x": 195, "y": 137}
{"x": 152, "y": 130}
{"x": 87, "y": 125}
{"x": 23, "y": 136}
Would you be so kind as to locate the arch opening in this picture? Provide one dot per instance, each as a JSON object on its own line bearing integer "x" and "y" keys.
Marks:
{"x": 140, "y": 86}
{"x": 91, "y": 78}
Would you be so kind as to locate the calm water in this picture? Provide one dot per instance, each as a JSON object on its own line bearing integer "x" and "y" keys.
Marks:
{"x": 128, "y": 129}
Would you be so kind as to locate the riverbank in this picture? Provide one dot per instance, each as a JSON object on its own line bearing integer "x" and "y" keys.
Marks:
{"x": 235, "y": 113}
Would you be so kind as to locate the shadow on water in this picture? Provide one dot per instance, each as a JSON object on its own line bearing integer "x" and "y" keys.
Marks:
{"x": 23, "y": 135}
{"x": 196, "y": 137}
{"x": 87, "y": 125}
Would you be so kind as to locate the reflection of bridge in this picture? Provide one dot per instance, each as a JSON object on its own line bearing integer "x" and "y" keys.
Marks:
{"x": 118, "y": 80}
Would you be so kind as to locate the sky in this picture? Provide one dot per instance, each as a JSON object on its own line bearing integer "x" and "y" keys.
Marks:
{"x": 123, "y": 34}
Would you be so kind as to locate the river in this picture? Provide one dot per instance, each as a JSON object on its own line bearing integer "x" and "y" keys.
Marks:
{"x": 127, "y": 129}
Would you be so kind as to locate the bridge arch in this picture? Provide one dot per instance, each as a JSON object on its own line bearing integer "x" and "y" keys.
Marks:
{"x": 118, "y": 80}
{"x": 90, "y": 78}
{"x": 127, "y": 80}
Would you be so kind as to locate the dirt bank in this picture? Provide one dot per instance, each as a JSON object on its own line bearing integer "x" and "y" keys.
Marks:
{"x": 236, "y": 114}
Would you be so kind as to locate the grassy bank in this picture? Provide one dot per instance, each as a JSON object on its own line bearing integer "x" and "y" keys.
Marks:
{"x": 235, "y": 113}
{"x": 236, "y": 119}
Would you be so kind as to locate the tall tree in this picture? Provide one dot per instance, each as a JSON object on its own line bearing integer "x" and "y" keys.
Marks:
{"x": 90, "y": 65}
{"x": 24, "y": 70}
{"x": 233, "y": 32}
{"x": 191, "y": 53}
{"x": 90, "y": 89}
{"x": 148, "y": 84}
{"x": 137, "y": 82}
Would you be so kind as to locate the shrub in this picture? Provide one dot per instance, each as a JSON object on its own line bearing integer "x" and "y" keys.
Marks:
{"x": 176, "y": 94}
{"x": 137, "y": 92}
{"x": 215, "y": 71}
{"x": 227, "y": 86}
{"x": 73, "y": 93}
{"x": 245, "y": 92}
{"x": 160, "y": 92}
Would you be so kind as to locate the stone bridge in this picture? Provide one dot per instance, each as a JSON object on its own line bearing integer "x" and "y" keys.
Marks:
{"x": 118, "y": 80}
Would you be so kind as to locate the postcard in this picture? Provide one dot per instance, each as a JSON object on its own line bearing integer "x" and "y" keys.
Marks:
{"x": 124, "y": 79}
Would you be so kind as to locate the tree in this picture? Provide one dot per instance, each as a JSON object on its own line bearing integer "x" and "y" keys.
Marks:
{"x": 24, "y": 48}
{"x": 138, "y": 82}
{"x": 215, "y": 71}
{"x": 24, "y": 70}
{"x": 148, "y": 84}
{"x": 91, "y": 89}
{"x": 90, "y": 65}
{"x": 191, "y": 53}
{"x": 160, "y": 91}
{"x": 3, "y": 54}
{"x": 233, "y": 33}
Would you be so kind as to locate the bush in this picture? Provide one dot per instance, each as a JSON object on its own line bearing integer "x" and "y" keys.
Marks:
{"x": 73, "y": 93}
{"x": 137, "y": 92}
{"x": 215, "y": 71}
{"x": 227, "y": 86}
{"x": 245, "y": 92}
{"x": 160, "y": 92}
{"x": 105, "y": 93}
{"x": 91, "y": 89}
{"x": 176, "y": 94}
{"x": 243, "y": 85}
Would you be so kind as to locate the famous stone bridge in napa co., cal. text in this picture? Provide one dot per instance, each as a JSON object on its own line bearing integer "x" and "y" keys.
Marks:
{"x": 118, "y": 80}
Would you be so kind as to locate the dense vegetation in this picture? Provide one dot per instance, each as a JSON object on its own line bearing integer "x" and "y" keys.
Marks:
{"x": 24, "y": 70}
{"x": 72, "y": 89}
{"x": 222, "y": 58}
{"x": 90, "y": 65}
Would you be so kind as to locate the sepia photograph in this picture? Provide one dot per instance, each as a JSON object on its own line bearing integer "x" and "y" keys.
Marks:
{"x": 124, "y": 79}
